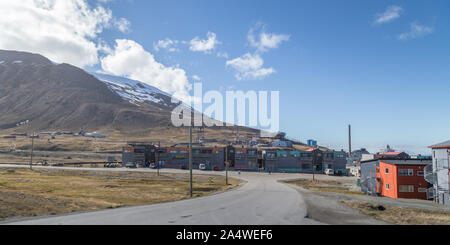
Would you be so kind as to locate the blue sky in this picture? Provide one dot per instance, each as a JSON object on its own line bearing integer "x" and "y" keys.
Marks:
{"x": 338, "y": 67}
{"x": 382, "y": 66}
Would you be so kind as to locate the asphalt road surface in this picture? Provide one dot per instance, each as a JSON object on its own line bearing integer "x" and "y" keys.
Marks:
{"x": 260, "y": 201}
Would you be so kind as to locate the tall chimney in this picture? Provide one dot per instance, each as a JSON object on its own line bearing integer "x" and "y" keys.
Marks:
{"x": 349, "y": 140}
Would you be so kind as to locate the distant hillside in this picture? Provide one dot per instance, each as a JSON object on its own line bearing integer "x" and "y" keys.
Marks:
{"x": 49, "y": 96}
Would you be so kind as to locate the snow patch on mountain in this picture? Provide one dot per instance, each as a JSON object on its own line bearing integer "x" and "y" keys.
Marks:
{"x": 133, "y": 91}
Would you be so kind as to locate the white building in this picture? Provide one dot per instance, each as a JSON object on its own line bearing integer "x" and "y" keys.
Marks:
{"x": 354, "y": 170}
{"x": 367, "y": 157}
{"x": 280, "y": 143}
{"x": 440, "y": 175}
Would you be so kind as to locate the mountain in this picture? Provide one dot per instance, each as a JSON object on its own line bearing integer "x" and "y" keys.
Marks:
{"x": 53, "y": 96}
{"x": 37, "y": 94}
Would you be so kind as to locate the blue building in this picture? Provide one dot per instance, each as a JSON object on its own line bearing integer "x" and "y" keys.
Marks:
{"x": 312, "y": 143}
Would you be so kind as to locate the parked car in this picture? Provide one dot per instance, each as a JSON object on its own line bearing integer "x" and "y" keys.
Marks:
{"x": 329, "y": 171}
{"x": 202, "y": 166}
{"x": 131, "y": 165}
{"x": 112, "y": 165}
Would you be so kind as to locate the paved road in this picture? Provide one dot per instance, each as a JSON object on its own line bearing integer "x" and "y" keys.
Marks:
{"x": 261, "y": 201}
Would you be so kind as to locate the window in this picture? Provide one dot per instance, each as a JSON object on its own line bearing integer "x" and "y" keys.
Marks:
{"x": 387, "y": 187}
{"x": 420, "y": 173}
{"x": 405, "y": 172}
{"x": 406, "y": 188}
{"x": 271, "y": 155}
{"x": 305, "y": 155}
{"x": 386, "y": 170}
{"x": 422, "y": 189}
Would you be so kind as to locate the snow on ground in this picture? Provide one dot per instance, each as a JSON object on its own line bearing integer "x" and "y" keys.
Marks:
{"x": 132, "y": 90}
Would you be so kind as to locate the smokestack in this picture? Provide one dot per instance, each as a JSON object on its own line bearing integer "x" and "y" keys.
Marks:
{"x": 349, "y": 140}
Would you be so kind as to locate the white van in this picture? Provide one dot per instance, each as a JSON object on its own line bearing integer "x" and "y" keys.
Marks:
{"x": 202, "y": 166}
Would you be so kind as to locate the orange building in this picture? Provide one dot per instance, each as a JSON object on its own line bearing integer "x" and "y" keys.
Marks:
{"x": 398, "y": 178}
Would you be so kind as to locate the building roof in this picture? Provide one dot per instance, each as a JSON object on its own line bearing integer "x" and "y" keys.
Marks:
{"x": 420, "y": 162}
{"x": 392, "y": 153}
{"x": 445, "y": 144}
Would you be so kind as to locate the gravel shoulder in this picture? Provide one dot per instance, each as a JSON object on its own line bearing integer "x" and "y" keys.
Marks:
{"x": 335, "y": 201}
{"x": 326, "y": 208}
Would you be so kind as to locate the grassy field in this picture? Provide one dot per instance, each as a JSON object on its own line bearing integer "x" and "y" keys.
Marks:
{"x": 401, "y": 215}
{"x": 28, "y": 193}
{"x": 325, "y": 185}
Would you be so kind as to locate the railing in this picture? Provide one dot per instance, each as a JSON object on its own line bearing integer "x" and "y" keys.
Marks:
{"x": 429, "y": 176}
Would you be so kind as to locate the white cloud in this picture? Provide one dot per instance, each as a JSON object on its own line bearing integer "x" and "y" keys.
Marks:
{"x": 222, "y": 55}
{"x": 204, "y": 45}
{"x": 392, "y": 12}
{"x": 167, "y": 44}
{"x": 416, "y": 30}
{"x": 122, "y": 24}
{"x": 129, "y": 59}
{"x": 196, "y": 78}
{"x": 63, "y": 31}
{"x": 250, "y": 66}
{"x": 265, "y": 41}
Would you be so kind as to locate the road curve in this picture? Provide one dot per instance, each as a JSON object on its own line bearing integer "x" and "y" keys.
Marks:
{"x": 261, "y": 201}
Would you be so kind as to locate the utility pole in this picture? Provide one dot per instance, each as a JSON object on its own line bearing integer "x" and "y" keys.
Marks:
{"x": 32, "y": 151}
{"x": 190, "y": 159}
{"x": 159, "y": 147}
{"x": 314, "y": 160}
{"x": 313, "y": 166}
{"x": 349, "y": 140}
{"x": 226, "y": 165}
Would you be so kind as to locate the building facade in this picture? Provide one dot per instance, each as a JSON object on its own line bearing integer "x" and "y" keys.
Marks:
{"x": 395, "y": 178}
{"x": 439, "y": 175}
{"x": 270, "y": 159}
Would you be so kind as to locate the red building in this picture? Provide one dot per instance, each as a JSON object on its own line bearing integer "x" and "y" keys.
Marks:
{"x": 402, "y": 178}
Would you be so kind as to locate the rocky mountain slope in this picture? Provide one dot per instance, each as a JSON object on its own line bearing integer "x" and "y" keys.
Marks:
{"x": 39, "y": 95}
{"x": 60, "y": 96}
